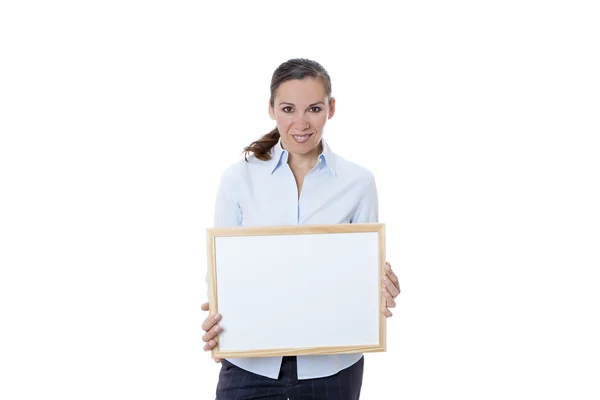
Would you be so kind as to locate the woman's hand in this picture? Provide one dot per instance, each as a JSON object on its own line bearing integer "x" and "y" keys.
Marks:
{"x": 390, "y": 288}
{"x": 211, "y": 329}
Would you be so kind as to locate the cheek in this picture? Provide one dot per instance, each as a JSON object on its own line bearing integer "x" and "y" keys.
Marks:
{"x": 319, "y": 120}
{"x": 283, "y": 121}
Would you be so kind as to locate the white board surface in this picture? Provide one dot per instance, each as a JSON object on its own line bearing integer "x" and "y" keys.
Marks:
{"x": 298, "y": 291}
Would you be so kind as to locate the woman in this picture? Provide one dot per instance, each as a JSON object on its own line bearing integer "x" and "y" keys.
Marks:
{"x": 291, "y": 177}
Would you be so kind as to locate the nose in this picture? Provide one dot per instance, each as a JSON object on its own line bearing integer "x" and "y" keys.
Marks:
{"x": 302, "y": 121}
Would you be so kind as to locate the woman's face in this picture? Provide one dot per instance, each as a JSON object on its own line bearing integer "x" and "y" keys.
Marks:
{"x": 301, "y": 109}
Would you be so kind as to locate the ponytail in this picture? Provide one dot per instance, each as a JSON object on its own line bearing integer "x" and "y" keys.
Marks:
{"x": 262, "y": 147}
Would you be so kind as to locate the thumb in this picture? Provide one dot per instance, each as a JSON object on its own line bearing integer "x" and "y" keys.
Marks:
{"x": 204, "y": 306}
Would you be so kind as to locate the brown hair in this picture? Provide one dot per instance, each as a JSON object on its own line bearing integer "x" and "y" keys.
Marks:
{"x": 297, "y": 68}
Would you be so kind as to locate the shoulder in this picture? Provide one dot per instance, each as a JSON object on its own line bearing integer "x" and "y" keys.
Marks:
{"x": 234, "y": 171}
{"x": 351, "y": 171}
{"x": 242, "y": 169}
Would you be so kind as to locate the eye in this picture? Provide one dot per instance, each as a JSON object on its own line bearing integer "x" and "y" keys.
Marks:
{"x": 287, "y": 109}
{"x": 315, "y": 109}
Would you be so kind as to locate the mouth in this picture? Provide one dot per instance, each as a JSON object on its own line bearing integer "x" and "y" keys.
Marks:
{"x": 302, "y": 138}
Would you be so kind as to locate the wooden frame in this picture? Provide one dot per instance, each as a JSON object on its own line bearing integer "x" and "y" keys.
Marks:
{"x": 221, "y": 237}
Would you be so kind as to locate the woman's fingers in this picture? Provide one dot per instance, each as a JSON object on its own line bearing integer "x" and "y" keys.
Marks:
{"x": 211, "y": 333}
{"x": 390, "y": 288}
{"x": 211, "y": 329}
{"x": 389, "y": 300}
{"x": 391, "y": 274}
{"x": 210, "y": 321}
{"x": 391, "y": 281}
{"x": 389, "y": 285}
{"x": 210, "y": 344}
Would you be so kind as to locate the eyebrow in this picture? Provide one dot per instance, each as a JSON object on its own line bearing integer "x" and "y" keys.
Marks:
{"x": 311, "y": 105}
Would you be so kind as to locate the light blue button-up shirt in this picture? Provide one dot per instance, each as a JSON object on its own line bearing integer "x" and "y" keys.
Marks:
{"x": 264, "y": 193}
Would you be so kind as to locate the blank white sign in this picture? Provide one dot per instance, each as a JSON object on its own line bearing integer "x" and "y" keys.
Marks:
{"x": 298, "y": 291}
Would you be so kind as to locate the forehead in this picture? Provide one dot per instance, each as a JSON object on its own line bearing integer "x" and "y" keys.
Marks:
{"x": 305, "y": 91}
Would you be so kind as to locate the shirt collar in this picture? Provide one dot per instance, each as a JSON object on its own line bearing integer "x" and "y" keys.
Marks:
{"x": 279, "y": 156}
{"x": 327, "y": 157}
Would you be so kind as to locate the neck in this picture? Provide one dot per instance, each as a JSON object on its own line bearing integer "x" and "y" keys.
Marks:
{"x": 305, "y": 162}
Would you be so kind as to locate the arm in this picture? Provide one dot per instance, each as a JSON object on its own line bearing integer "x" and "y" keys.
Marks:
{"x": 368, "y": 212}
{"x": 228, "y": 213}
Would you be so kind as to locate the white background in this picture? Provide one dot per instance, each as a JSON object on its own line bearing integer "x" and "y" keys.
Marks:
{"x": 480, "y": 121}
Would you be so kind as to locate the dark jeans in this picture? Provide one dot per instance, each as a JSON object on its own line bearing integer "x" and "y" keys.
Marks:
{"x": 236, "y": 383}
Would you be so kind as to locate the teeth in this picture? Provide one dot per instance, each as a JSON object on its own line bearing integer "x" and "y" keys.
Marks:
{"x": 301, "y": 138}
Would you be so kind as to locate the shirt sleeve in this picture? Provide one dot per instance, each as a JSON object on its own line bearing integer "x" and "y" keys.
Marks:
{"x": 228, "y": 212}
{"x": 368, "y": 207}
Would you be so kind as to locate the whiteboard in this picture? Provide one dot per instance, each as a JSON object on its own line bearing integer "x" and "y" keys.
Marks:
{"x": 296, "y": 290}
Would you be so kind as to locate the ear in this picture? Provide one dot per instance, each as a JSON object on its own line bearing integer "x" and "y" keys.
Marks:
{"x": 271, "y": 111}
{"x": 331, "y": 108}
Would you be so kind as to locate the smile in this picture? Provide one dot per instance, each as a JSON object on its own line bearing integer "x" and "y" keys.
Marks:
{"x": 302, "y": 138}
